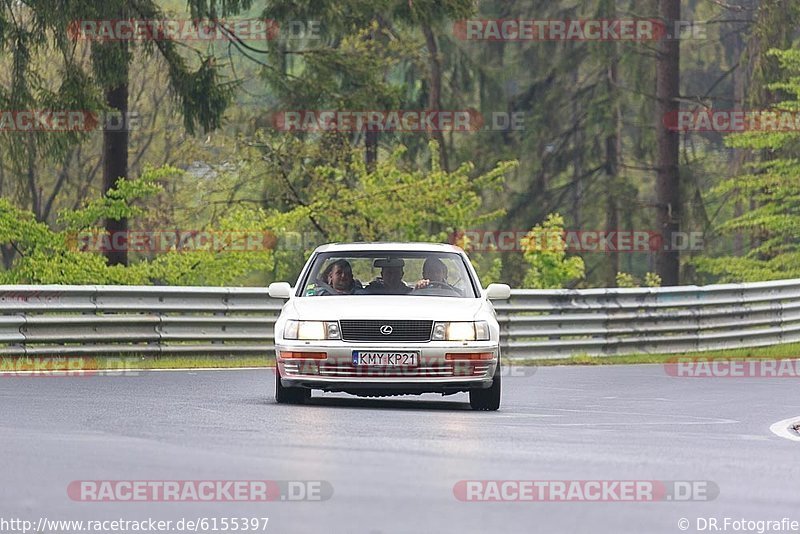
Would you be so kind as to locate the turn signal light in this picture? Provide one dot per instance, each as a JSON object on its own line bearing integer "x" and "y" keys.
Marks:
{"x": 450, "y": 356}
{"x": 293, "y": 355}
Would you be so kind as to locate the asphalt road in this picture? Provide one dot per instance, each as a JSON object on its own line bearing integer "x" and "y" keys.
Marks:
{"x": 393, "y": 463}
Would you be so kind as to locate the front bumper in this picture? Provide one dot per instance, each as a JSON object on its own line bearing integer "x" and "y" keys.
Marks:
{"x": 433, "y": 374}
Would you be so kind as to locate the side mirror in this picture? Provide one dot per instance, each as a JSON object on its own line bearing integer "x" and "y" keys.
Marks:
{"x": 498, "y": 291}
{"x": 280, "y": 290}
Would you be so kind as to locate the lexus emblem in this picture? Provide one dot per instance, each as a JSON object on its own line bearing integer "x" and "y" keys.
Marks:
{"x": 386, "y": 329}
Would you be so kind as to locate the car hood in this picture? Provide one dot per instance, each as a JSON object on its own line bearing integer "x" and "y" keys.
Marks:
{"x": 387, "y": 307}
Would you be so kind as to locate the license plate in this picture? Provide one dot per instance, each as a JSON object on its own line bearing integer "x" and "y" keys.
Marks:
{"x": 387, "y": 359}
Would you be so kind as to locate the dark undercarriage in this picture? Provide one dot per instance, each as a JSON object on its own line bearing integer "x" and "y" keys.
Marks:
{"x": 387, "y": 390}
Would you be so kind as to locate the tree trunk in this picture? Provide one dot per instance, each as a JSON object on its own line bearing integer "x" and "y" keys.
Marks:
{"x": 36, "y": 194}
{"x": 577, "y": 162}
{"x": 370, "y": 135}
{"x": 668, "y": 177}
{"x": 612, "y": 150}
{"x": 115, "y": 163}
{"x": 612, "y": 209}
{"x": 435, "y": 91}
{"x": 737, "y": 156}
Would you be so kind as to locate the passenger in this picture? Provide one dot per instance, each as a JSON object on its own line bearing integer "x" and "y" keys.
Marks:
{"x": 337, "y": 279}
{"x": 390, "y": 282}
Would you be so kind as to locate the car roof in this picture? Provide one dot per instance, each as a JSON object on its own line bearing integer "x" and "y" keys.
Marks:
{"x": 388, "y": 247}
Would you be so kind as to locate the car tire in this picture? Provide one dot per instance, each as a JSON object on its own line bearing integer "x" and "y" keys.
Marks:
{"x": 487, "y": 400}
{"x": 284, "y": 395}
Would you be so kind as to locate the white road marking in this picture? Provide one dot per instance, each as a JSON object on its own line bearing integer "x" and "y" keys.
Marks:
{"x": 651, "y": 414}
{"x": 659, "y": 423}
{"x": 783, "y": 429}
{"x": 680, "y": 419}
{"x": 526, "y": 415}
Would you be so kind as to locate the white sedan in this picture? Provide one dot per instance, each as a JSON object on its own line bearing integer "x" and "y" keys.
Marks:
{"x": 377, "y": 319}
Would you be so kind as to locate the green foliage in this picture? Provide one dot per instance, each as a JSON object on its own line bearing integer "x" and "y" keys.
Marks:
{"x": 628, "y": 280}
{"x": 46, "y": 256}
{"x": 490, "y": 272}
{"x": 652, "y": 280}
{"x": 117, "y": 203}
{"x": 545, "y": 252}
{"x": 394, "y": 202}
{"x": 390, "y": 202}
{"x": 36, "y": 44}
{"x": 772, "y": 190}
{"x": 219, "y": 267}
{"x": 373, "y": 54}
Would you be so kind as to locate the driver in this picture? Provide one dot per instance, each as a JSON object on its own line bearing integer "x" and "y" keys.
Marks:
{"x": 433, "y": 270}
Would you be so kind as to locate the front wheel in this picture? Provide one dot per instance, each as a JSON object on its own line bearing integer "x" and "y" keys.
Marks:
{"x": 487, "y": 400}
{"x": 284, "y": 395}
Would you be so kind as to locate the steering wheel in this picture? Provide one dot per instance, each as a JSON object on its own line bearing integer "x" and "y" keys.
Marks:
{"x": 434, "y": 287}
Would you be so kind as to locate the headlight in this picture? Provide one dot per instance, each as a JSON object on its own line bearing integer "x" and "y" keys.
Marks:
{"x": 461, "y": 331}
{"x": 311, "y": 330}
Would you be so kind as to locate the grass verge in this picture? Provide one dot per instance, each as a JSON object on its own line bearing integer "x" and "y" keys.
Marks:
{"x": 774, "y": 352}
{"x": 123, "y": 362}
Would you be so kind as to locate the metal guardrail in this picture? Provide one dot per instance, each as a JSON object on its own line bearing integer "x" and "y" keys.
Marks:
{"x": 557, "y": 323}
{"x": 109, "y": 320}
{"x": 103, "y": 320}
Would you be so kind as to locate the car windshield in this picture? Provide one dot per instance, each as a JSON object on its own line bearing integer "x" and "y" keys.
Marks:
{"x": 428, "y": 274}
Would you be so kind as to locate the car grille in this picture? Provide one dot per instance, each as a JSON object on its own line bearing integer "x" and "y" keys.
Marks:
{"x": 370, "y": 330}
